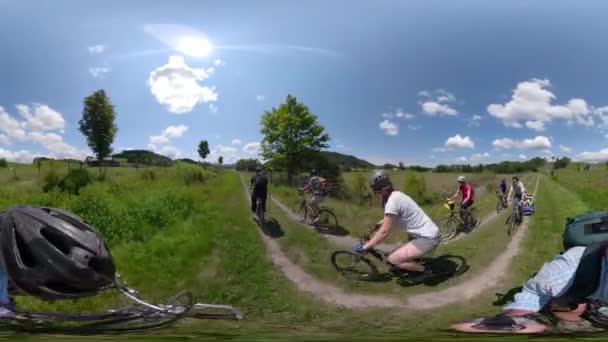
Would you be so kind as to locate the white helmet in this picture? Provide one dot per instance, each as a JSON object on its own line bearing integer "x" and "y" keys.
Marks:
{"x": 461, "y": 178}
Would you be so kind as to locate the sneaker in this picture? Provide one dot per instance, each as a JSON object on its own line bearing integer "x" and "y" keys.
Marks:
{"x": 315, "y": 220}
{"x": 6, "y": 313}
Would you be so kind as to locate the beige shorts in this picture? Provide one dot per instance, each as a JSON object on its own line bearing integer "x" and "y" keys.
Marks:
{"x": 426, "y": 245}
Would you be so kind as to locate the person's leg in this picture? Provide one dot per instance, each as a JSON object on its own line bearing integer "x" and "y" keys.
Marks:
{"x": 314, "y": 204}
{"x": 404, "y": 257}
{"x": 264, "y": 197}
{"x": 253, "y": 196}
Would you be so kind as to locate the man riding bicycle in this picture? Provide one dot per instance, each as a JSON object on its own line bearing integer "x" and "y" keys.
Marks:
{"x": 518, "y": 190}
{"x": 465, "y": 189}
{"x": 317, "y": 186}
{"x": 259, "y": 187}
{"x": 401, "y": 210}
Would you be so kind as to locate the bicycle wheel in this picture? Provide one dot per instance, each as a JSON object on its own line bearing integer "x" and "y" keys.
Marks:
{"x": 438, "y": 270}
{"x": 499, "y": 206}
{"x": 260, "y": 212}
{"x": 302, "y": 213}
{"x": 354, "y": 266}
{"x": 472, "y": 219}
{"x": 327, "y": 221}
{"x": 512, "y": 222}
{"x": 447, "y": 228}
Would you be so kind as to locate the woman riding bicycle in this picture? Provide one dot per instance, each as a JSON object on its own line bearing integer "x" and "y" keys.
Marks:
{"x": 465, "y": 189}
{"x": 401, "y": 210}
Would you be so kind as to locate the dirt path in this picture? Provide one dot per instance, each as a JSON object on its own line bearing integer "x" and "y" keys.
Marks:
{"x": 336, "y": 296}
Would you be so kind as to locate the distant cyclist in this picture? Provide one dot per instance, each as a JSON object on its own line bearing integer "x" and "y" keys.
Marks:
{"x": 317, "y": 186}
{"x": 259, "y": 187}
{"x": 517, "y": 190}
{"x": 465, "y": 190}
{"x": 502, "y": 191}
{"x": 402, "y": 211}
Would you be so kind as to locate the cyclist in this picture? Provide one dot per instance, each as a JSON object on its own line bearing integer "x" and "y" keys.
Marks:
{"x": 468, "y": 197}
{"x": 259, "y": 188}
{"x": 401, "y": 210}
{"x": 317, "y": 186}
{"x": 502, "y": 191}
{"x": 518, "y": 191}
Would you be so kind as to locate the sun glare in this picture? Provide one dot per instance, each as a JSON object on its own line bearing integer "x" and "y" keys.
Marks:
{"x": 195, "y": 46}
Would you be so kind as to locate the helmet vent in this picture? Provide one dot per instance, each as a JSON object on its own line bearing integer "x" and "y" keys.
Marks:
{"x": 26, "y": 258}
{"x": 56, "y": 240}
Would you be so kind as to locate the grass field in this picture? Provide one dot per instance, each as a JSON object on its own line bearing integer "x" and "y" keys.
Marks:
{"x": 213, "y": 248}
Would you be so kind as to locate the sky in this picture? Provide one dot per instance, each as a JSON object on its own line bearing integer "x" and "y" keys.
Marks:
{"x": 421, "y": 82}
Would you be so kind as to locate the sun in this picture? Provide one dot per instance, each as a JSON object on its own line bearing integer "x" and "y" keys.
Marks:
{"x": 194, "y": 46}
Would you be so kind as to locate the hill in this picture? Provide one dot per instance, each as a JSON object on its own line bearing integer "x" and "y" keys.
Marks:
{"x": 347, "y": 162}
{"x": 144, "y": 157}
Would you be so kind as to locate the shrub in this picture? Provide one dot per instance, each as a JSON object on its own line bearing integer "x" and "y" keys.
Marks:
{"x": 148, "y": 175}
{"x": 51, "y": 180}
{"x": 75, "y": 180}
{"x": 3, "y": 163}
{"x": 415, "y": 187}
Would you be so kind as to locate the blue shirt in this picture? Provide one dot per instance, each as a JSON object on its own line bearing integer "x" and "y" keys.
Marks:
{"x": 553, "y": 280}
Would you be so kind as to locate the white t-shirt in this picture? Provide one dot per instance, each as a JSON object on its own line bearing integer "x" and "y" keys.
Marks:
{"x": 519, "y": 188}
{"x": 410, "y": 217}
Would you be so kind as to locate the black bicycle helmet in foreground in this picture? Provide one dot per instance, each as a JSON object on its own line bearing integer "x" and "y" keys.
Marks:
{"x": 53, "y": 254}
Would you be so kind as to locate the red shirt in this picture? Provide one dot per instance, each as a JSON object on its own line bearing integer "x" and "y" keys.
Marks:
{"x": 466, "y": 190}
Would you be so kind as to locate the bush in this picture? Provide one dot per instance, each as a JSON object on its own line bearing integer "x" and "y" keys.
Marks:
{"x": 75, "y": 180}
{"x": 148, "y": 175}
{"x": 51, "y": 181}
{"x": 415, "y": 187}
{"x": 359, "y": 191}
{"x": 190, "y": 174}
{"x": 3, "y": 163}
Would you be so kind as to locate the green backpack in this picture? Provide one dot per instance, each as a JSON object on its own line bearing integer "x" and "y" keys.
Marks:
{"x": 586, "y": 229}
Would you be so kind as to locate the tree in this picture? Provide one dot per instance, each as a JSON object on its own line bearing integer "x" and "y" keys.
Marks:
{"x": 203, "y": 149}
{"x": 3, "y": 163}
{"x": 220, "y": 160}
{"x": 97, "y": 124}
{"x": 401, "y": 167}
{"x": 561, "y": 163}
{"x": 291, "y": 133}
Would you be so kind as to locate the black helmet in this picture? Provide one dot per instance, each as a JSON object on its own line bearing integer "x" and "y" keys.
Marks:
{"x": 258, "y": 169}
{"x": 52, "y": 254}
{"x": 313, "y": 172}
{"x": 379, "y": 180}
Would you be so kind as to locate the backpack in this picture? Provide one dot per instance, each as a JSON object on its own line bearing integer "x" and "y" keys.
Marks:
{"x": 260, "y": 181}
{"x": 322, "y": 185}
{"x": 527, "y": 209}
{"x": 586, "y": 229}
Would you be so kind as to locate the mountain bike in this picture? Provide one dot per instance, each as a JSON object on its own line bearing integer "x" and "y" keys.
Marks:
{"x": 361, "y": 267}
{"x": 450, "y": 225}
{"x": 259, "y": 211}
{"x": 515, "y": 219}
{"x": 501, "y": 202}
{"x": 324, "y": 222}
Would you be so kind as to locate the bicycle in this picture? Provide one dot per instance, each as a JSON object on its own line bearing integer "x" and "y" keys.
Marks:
{"x": 325, "y": 220}
{"x": 501, "y": 203}
{"x": 358, "y": 267}
{"x": 452, "y": 224}
{"x": 515, "y": 218}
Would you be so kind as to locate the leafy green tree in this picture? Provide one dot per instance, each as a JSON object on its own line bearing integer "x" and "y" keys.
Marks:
{"x": 220, "y": 160}
{"x": 291, "y": 133}
{"x": 401, "y": 166}
{"x": 3, "y": 163}
{"x": 97, "y": 124}
{"x": 203, "y": 149}
{"x": 561, "y": 163}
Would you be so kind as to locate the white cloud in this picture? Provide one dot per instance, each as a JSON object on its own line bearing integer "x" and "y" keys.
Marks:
{"x": 4, "y": 139}
{"x": 538, "y": 143}
{"x": 22, "y": 156}
{"x": 260, "y": 97}
{"x": 461, "y": 159}
{"x": 523, "y": 157}
{"x": 477, "y": 117}
{"x": 213, "y": 108}
{"x": 175, "y": 131}
{"x": 531, "y": 104}
{"x": 398, "y": 113}
{"x": 387, "y": 115}
{"x": 433, "y": 108}
{"x": 474, "y": 121}
{"x": 565, "y": 149}
{"x": 159, "y": 140}
{"x": 176, "y": 85}
{"x": 97, "y": 48}
{"x": 236, "y": 142}
{"x": 230, "y": 154}
{"x": 167, "y": 150}
{"x": 414, "y": 127}
{"x": 99, "y": 72}
{"x": 437, "y": 102}
{"x": 440, "y": 149}
{"x": 389, "y": 128}
{"x": 253, "y": 148}
{"x": 40, "y": 117}
{"x": 593, "y": 157}
{"x": 219, "y": 62}
{"x": 162, "y": 143}
{"x": 459, "y": 142}
{"x": 478, "y": 157}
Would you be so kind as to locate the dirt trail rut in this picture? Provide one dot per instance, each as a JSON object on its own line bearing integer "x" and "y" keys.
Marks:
{"x": 336, "y": 296}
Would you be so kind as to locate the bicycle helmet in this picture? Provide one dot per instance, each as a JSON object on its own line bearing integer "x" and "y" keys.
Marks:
{"x": 461, "y": 178}
{"x": 313, "y": 172}
{"x": 379, "y": 181}
{"x": 52, "y": 254}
